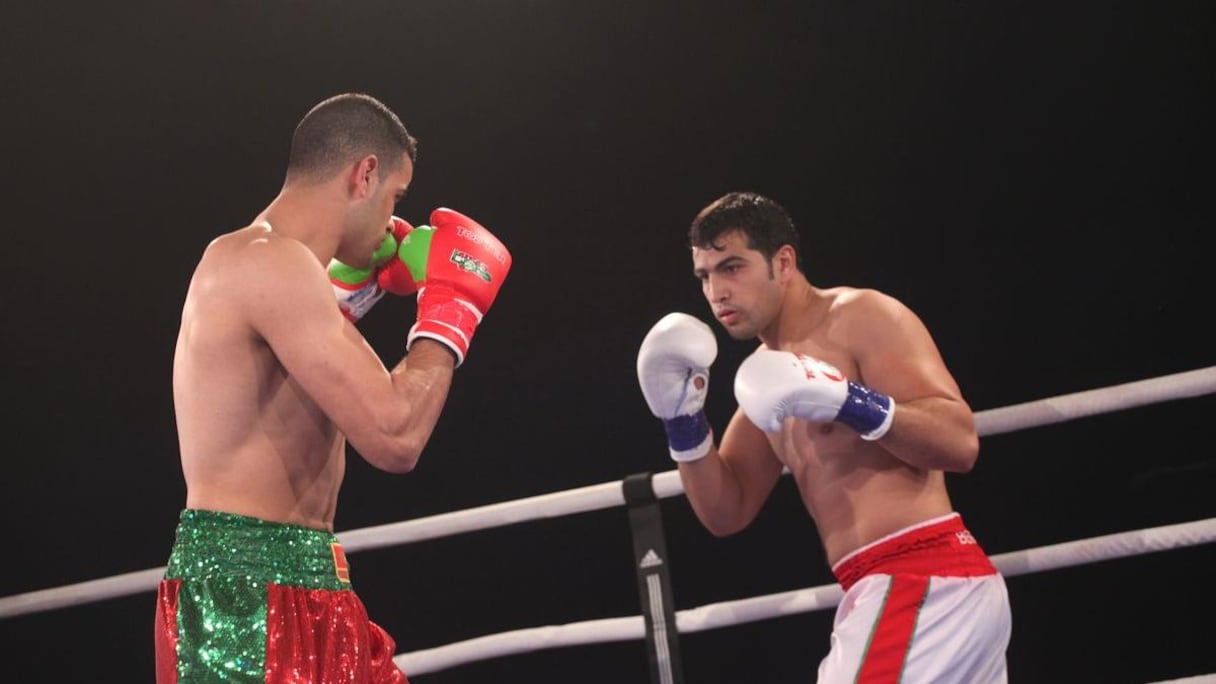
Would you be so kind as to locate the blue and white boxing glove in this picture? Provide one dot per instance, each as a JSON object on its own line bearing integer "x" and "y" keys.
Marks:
{"x": 771, "y": 386}
{"x": 673, "y": 370}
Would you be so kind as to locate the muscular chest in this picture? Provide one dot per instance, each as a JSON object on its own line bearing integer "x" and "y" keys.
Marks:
{"x": 808, "y": 448}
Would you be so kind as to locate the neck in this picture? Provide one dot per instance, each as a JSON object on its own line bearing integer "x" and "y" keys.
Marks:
{"x": 307, "y": 216}
{"x": 801, "y": 310}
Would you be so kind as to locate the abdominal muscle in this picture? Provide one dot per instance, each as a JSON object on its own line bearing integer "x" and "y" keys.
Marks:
{"x": 261, "y": 479}
{"x": 856, "y": 491}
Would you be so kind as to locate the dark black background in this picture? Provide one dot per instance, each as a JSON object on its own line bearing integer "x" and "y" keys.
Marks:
{"x": 1034, "y": 179}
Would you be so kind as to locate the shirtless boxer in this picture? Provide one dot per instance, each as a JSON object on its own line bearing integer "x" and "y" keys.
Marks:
{"x": 270, "y": 381}
{"x": 849, "y": 392}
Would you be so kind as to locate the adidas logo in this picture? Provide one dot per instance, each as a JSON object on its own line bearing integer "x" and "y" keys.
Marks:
{"x": 650, "y": 560}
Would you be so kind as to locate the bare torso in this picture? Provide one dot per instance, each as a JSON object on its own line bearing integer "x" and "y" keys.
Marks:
{"x": 856, "y": 491}
{"x": 252, "y": 441}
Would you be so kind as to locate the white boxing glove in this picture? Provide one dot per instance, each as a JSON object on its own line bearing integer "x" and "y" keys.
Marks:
{"x": 673, "y": 370}
{"x": 771, "y": 386}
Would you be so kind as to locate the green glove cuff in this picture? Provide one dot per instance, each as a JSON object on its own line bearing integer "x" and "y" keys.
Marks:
{"x": 385, "y": 251}
{"x": 414, "y": 250}
{"x": 354, "y": 276}
{"x": 348, "y": 274}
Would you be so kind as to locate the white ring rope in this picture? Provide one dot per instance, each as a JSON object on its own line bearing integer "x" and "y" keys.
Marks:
{"x": 1107, "y": 400}
{"x": 666, "y": 484}
{"x": 729, "y": 613}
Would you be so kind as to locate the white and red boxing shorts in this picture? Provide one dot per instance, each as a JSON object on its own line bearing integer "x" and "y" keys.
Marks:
{"x": 921, "y": 605}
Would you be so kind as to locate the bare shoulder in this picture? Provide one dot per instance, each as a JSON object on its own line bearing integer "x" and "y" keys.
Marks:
{"x": 250, "y": 259}
{"x": 864, "y": 306}
{"x": 893, "y": 347}
{"x": 253, "y": 273}
{"x": 254, "y": 248}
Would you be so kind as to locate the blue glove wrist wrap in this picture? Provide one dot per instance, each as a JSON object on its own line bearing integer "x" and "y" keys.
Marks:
{"x": 864, "y": 410}
{"x": 687, "y": 432}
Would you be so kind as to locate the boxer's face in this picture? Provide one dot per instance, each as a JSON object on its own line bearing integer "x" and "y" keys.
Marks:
{"x": 374, "y": 213}
{"x": 392, "y": 189}
{"x": 739, "y": 285}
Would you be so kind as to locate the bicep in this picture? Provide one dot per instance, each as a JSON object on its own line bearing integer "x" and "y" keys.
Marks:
{"x": 934, "y": 427}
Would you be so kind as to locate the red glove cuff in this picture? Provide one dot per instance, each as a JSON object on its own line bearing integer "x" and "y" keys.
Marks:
{"x": 445, "y": 319}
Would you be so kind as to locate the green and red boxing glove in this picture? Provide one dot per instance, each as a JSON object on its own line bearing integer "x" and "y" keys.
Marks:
{"x": 358, "y": 289}
{"x": 457, "y": 267}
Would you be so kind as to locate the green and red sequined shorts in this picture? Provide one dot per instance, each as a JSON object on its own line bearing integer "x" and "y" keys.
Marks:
{"x": 248, "y": 600}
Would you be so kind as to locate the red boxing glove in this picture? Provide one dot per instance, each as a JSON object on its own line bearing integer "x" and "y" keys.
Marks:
{"x": 458, "y": 267}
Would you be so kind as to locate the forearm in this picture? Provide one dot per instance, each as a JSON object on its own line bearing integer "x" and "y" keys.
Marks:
{"x": 673, "y": 371}
{"x": 403, "y": 420}
{"x": 933, "y": 434}
{"x": 716, "y": 495}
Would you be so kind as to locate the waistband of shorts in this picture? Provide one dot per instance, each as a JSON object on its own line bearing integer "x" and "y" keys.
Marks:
{"x": 211, "y": 544}
{"x": 939, "y": 547}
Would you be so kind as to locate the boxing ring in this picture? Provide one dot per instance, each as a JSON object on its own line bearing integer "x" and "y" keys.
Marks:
{"x": 654, "y": 626}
